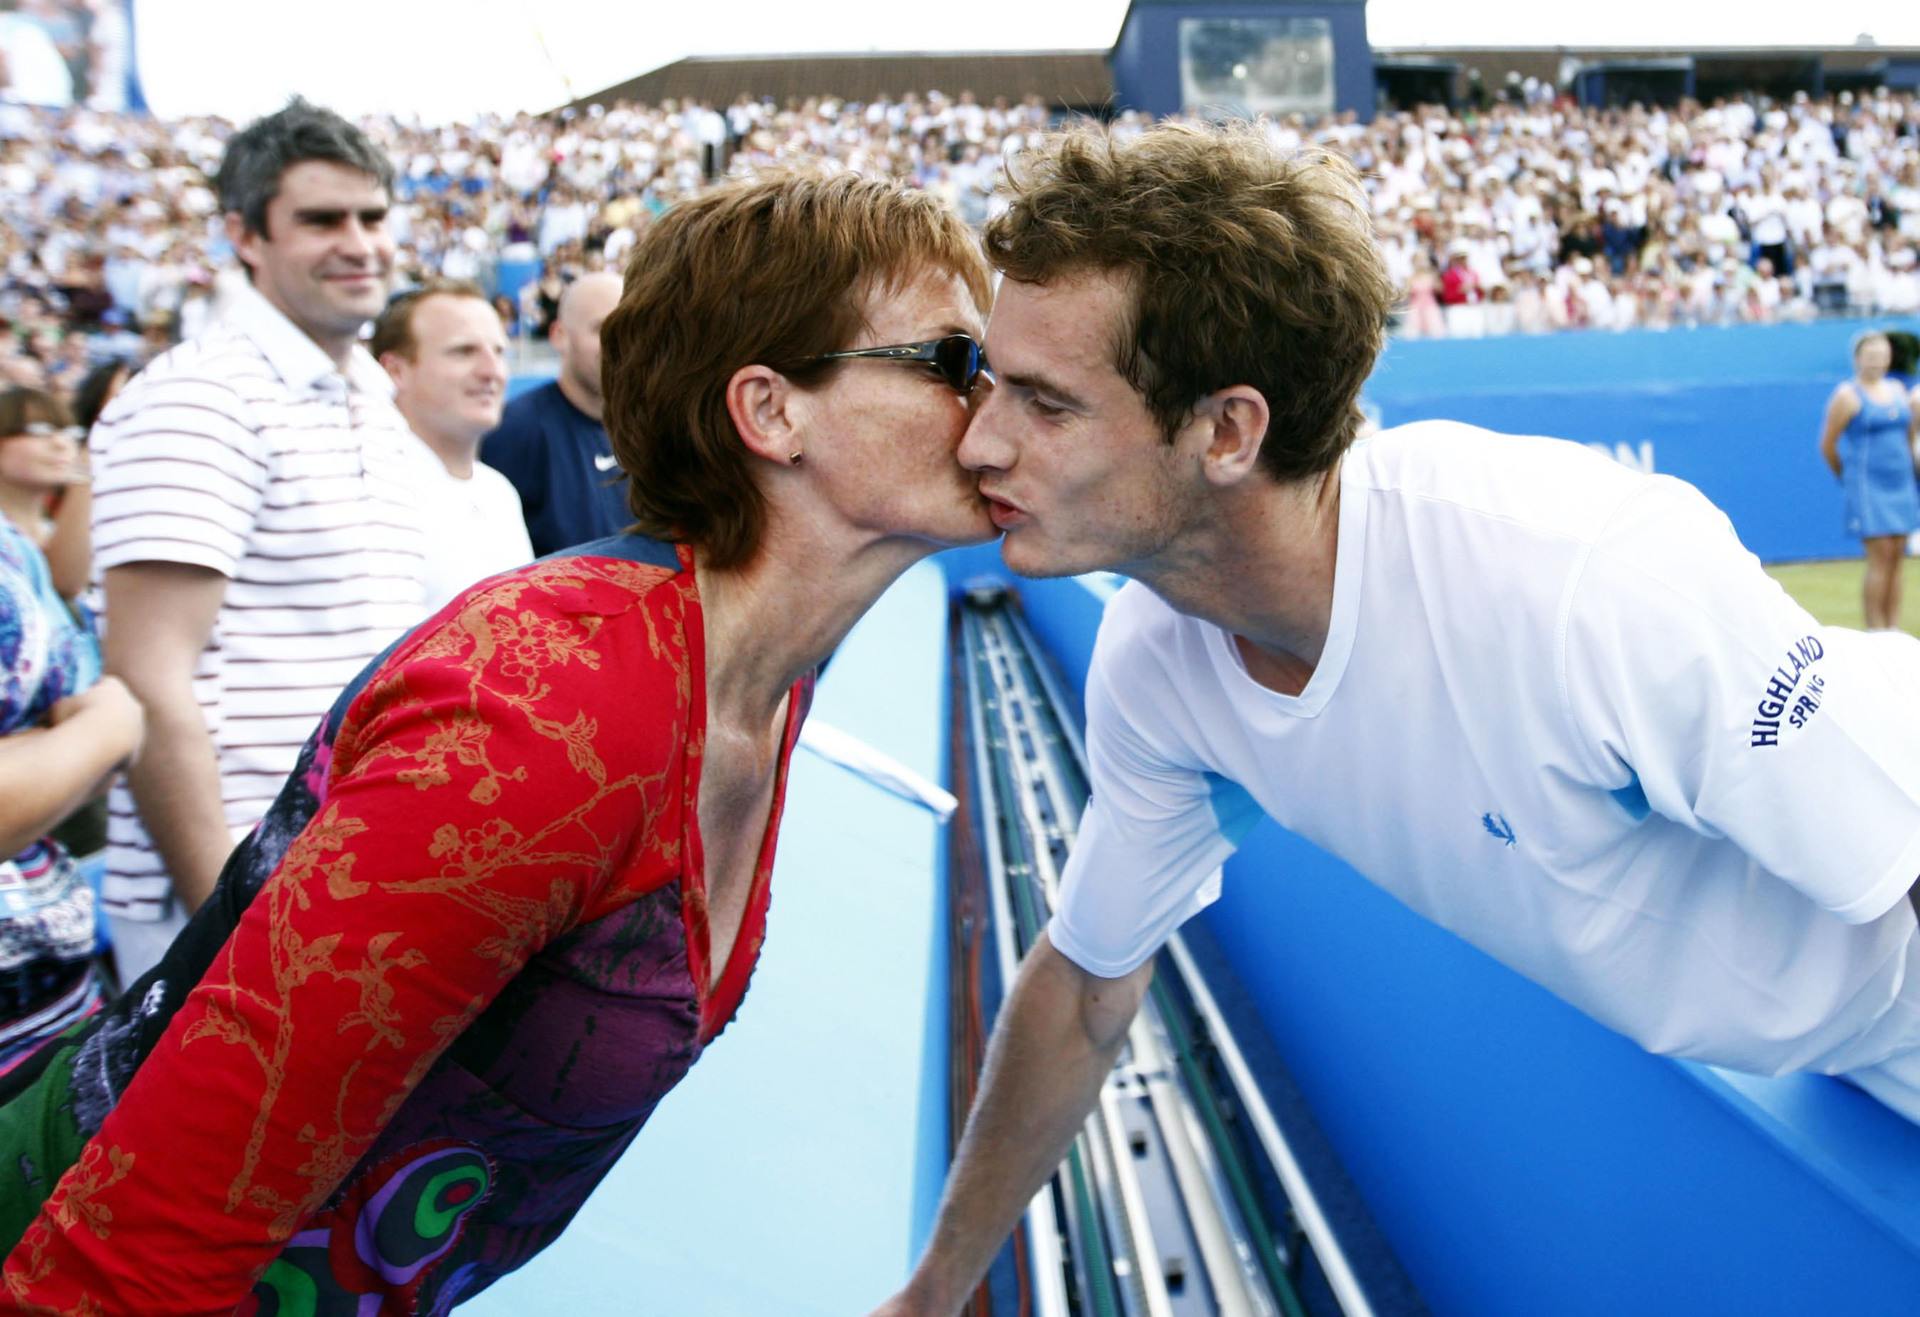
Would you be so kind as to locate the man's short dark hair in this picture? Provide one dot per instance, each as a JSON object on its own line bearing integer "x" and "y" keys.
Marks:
{"x": 265, "y": 149}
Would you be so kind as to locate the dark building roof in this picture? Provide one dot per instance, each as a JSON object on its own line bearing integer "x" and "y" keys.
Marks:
{"x": 1083, "y": 79}
{"x": 1073, "y": 79}
{"x": 1544, "y": 62}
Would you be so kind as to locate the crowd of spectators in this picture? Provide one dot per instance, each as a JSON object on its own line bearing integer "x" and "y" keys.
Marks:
{"x": 1531, "y": 216}
{"x": 1525, "y": 214}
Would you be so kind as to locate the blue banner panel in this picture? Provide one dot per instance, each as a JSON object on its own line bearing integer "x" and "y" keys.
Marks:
{"x": 1734, "y": 411}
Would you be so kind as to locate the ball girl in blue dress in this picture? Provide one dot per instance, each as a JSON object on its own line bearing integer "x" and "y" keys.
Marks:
{"x": 1868, "y": 442}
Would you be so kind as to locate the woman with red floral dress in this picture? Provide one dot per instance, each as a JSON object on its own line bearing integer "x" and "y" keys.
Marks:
{"x": 519, "y": 879}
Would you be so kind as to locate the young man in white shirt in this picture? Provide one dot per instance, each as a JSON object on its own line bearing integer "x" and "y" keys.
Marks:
{"x": 446, "y": 350}
{"x": 1545, "y": 701}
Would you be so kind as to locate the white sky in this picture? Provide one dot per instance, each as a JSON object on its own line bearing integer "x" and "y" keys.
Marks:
{"x": 443, "y": 59}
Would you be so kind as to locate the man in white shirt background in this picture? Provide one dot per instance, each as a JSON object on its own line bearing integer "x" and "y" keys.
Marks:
{"x": 446, "y": 350}
{"x": 1546, "y": 702}
{"x": 253, "y": 519}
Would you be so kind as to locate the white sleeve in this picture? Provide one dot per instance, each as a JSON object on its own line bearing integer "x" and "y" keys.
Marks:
{"x": 1692, "y": 675}
{"x": 180, "y": 473}
{"x": 1150, "y": 844}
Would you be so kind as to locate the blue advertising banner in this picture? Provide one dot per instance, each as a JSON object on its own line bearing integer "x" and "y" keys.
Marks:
{"x": 1735, "y": 411}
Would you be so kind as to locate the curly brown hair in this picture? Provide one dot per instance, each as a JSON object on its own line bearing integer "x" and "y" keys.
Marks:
{"x": 770, "y": 271}
{"x": 1247, "y": 266}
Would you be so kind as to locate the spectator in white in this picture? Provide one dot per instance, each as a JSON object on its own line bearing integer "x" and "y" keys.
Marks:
{"x": 1530, "y": 312}
{"x": 446, "y": 350}
{"x": 110, "y": 42}
{"x": 1767, "y": 212}
{"x": 253, "y": 518}
{"x": 1805, "y": 218}
{"x": 1897, "y": 289}
{"x": 564, "y": 220}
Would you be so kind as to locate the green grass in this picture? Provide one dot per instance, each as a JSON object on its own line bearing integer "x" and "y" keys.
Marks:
{"x": 1831, "y": 590}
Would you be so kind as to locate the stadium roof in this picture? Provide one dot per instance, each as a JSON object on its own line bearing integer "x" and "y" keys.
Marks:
{"x": 1083, "y": 80}
{"x": 1076, "y": 79}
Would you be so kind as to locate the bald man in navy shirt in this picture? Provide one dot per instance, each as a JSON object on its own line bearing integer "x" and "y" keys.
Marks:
{"x": 551, "y": 443}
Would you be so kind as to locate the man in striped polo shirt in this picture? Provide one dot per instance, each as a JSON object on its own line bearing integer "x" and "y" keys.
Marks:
{"x": 253, "y": 524}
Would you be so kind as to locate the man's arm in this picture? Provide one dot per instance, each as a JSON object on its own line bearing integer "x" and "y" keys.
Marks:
{"x": 1052, "y": 1048}
{"x": 159, "y": 616}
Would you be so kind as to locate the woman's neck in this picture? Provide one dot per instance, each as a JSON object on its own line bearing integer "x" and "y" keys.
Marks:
{"x": 773, "y": 620}
{"x": 25, "y": 508}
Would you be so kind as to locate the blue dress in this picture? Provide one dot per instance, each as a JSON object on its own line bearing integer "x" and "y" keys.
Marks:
{"x": 1876, "y": 469}
{"x": 46, "y": 907}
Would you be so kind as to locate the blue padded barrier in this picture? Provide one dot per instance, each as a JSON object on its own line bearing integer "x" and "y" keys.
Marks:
{"x": 1735, "y": 411}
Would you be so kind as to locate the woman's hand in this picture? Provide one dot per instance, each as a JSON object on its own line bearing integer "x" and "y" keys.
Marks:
{"x": 117, "y": 718}
{"x": 48, "y": 772}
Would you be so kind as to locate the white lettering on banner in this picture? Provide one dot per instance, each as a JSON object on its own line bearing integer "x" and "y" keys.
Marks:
{"x": 1638, "y": 459}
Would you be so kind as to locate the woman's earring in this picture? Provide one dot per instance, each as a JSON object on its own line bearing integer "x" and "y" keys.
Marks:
{"x": 793, "y": 458}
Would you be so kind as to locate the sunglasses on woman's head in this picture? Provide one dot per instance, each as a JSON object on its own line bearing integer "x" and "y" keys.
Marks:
{"x": 957, "y": 357}
{"x": 42, "y": 428}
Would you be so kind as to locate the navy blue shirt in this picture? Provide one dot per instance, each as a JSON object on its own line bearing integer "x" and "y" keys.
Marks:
{"x": 558, "y": 458}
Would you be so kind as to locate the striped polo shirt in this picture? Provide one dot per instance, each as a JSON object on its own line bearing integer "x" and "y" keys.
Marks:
{"x": 248, "y": 451}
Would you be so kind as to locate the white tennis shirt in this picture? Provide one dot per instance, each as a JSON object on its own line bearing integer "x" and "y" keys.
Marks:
{"x": 1563, "y": 713}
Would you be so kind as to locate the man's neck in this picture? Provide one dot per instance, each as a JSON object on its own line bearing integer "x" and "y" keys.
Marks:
{"x": 455, "y": 451}
{"x": 1262, "y": 569}
{"x": 590, "y": 403}
{"x": 338, "y": 347}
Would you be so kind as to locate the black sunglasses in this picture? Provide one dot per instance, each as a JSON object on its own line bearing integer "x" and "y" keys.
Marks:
{"x": 959, "y": 359}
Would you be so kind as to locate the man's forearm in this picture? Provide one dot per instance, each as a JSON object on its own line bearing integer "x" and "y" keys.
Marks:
{"x": 1052, "y": 1048}
{"x": 176, "y": 784}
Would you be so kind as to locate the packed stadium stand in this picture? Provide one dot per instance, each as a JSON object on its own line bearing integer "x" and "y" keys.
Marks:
{"x": 1528, "y": 213}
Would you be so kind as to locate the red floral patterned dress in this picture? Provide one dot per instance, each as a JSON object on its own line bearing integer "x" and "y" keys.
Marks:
{"x": 440, "y": 988}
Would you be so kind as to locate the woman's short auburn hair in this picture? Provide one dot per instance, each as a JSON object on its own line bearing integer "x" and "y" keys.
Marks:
{"x": 772, "y": 270}
{"x": 1247, "y": 266}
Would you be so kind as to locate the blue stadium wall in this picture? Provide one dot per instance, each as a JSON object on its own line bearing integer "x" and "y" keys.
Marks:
{"x": 1146, "y": 57}
{"x": 1735, "y": 411}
